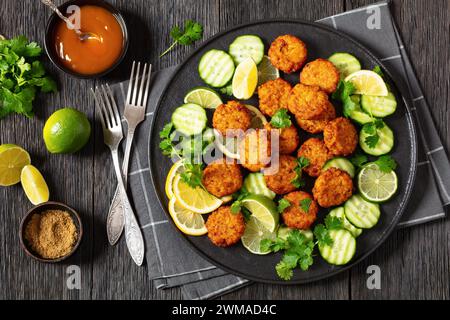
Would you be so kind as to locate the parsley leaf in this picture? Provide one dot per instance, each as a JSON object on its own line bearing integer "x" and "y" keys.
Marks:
{"x": 227, "y": 90}
{"x": 322, "y": 235}
{"x": 343, "y": 93}
{"x": 305, "y": 204}
{"x": 283, "y": 204}
{"x": 333, "y": 222}
{"x": 192, "y": 32}
{"x": 371, "y": 129}
{"x": 192, "y": 174}
{"x": 281, "y": 119}
{"x": 302, "y": 162}
{"x": 359, "y": 159}
{"x": 386, "y": 163}
{"x": 238, "y": 197}
{"x": 274, "y": 245}
{"x": 372, "y": 141}
{"x": 378, "y": 70}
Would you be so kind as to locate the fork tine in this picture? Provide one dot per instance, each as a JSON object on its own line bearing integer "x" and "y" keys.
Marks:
{"x": 100, "y": 112}
{"x": 136, "y": 83}
{"x": 113, "y": 102}
{"x": 144, "y": 102}
{"x": 141, "y": 87}
{"x": 108, "y": 107}
{"x": 130, "y": 84}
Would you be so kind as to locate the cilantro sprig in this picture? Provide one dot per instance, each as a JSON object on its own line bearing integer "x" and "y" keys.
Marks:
{"x": 281, "y": 119}
{"x": 283, "y": 204}
{"x": 386, "y": 163}
{"x": 302, "y": 162}
{"x": 321, "y": 231}
{"x": 192, "y": 32}
{"x": 343, "y": 93}
{"x": 371, "y": 130}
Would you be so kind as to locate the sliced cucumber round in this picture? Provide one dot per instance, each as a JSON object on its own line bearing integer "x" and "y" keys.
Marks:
{"x": 247, "y": 46}
{"x": 342, "y": 250}
{"x": 254, "y": 183}
{"x": 357, "y": 114}
{"x": 361, "y": 213}
{"x": 379, "y": 106}
{"x": 216, "y": 68}
{"x": 189, "y": 119}
{"x": 345, "y": 63}
{"x": 340, "y": 163}
{"x": 339, "y": 212}
{"x": 384, "y": 145}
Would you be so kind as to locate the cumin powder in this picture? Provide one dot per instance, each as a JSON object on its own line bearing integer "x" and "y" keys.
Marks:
{"x": 51, "y": 233}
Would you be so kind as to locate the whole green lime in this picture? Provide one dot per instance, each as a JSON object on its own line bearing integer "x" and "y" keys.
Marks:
{"x": 66, "y": 131}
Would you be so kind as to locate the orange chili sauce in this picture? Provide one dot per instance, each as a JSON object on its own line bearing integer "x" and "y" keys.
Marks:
{"x": 93, "y": 55}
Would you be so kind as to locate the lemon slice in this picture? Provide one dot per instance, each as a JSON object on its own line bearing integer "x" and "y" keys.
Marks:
{"x": 12, "y": 159}
{"x": 34, "y": 185}
{"x": 174, "y": 170}
{"x": 188, "y": 222}
{"x": 368, "y": 83}
{"x": 263, "y": 209}
{"x": 245, "y": 79}
{"x": 266, "y": 71}
{"x": 254, "y": 233}
{"x": 197, "y": 200}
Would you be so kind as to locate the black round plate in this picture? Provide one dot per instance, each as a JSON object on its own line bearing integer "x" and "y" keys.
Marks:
{"x": 321, "y": 42}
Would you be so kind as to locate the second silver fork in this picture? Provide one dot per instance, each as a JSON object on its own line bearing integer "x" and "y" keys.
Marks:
{"x": 134, "y": 114}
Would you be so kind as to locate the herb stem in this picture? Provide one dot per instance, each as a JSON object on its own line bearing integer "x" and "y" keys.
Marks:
{"x": 170, "y": 48}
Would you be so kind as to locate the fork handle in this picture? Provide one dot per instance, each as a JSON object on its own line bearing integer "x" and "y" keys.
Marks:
{"x": 133, "y": 234}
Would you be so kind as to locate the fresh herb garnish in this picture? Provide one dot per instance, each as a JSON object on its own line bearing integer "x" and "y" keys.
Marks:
{"x": 371, "y": 129}
{"x": 192, "y": 174}
{"x": 302, "y": 162}
{"x": 377, "y": 70}
{"x": 21, "y": 75}
{"x": 236, "y": 207}
{"x": 283, "y": 204}
{"x": 192, "y": 32}
{"x": 281, "y": 119}
{"x": 359, "y": 159}
{"x": 321, "y": 231}
{"x": 227, "y": 90}
{"x": 343, "y": 93}
{"x": 305, "y": 204}
{"x": 386, "y": 163}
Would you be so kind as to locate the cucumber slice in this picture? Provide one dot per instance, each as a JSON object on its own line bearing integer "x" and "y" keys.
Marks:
{"x": 384, "y": 145}
{"x": 255, "y": 184}
{"x": 361, "y": 213}
{"x": 283, "y": 233}
{"x": 339, "y": 212}
{"x": 357, "y": 114}
{"x": 247, "y": 46}
{"x": 379, "y": 106}
{"x": 340, "y": 163}
{"x": 345, "y": 63}
{"x": 216, "y": 68}
{"x": 342, "y": 250}
{"x": 189, "y": 119}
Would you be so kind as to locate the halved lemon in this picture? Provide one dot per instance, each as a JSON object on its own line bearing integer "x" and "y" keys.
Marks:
{"x": 34, "y": 185}
{"x": 245, "y": 79}
{"x": 188, "y": 222}
{"x": 12, "y": 159}
{"x": 196, "y": 199}
{"x": 368, "y": 83}
{"x": 176, "y": 168}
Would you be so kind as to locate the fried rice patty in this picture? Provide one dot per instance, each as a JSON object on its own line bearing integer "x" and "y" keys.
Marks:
{"x": 317, "y": 126}
{"x": 288, "y": 139}
{"x": 224, "y": 227}
{"x": 316, "y": 152}
{"x": 255, "y": 150}
{"x": 281, "y": 181}
{"x": 340, "y": 136}
{"x": 332, "y": 188}
{"x": 288, "y": 53}
{"x": 221, "y": 178}
{"x": 294, "y": 216}
{"x": 231, "y": 116}
{"x": 273, "y": 96}
{"x": 320, "y": 73}
{"x": 308, "y": 102}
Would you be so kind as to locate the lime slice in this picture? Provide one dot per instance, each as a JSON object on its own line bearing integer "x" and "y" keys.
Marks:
{"x": 266, "y": 71}
{"x": 245, "y": 79}
{"x": 188, "y": 222}
{"x": 34, "y": 185}
{"x": 204, "y": 97}
{"x": 255, "y": 232}
{"x": 368, "y": 83}
{"x": 12, "y": 159}
{"x": 376, "y": 185}
{"x": 263, "y": 209}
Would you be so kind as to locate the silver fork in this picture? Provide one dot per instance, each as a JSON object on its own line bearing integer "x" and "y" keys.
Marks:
{"x": 134, "y": 114}
{"x": 112, "y": 135}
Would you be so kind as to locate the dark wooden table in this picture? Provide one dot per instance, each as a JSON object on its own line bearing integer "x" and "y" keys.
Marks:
{"x": 414, "y": 262}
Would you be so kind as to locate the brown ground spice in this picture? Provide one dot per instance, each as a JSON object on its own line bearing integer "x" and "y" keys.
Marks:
{"x": 51, "y": 233}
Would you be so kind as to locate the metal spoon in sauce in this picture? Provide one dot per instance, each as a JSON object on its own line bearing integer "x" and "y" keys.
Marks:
{"x": 81, "y": 35}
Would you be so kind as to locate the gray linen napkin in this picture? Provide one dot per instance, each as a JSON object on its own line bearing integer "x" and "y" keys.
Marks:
{"x": 171, "y": 262}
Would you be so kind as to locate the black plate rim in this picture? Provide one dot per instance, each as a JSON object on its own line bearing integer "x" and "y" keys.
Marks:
{"x": 409, "y": 186}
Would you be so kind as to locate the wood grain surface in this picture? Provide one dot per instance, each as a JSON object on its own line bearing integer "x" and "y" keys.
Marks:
{"x": 414, "y": 262}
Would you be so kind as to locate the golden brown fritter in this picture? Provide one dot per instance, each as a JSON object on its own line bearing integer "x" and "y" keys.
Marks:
{"x": 288, "y": 53}
{"x": 340, "y": 137}
{"x": 332, "y": 188}
{"x": 294, "y": 216}
{"x": 316, "y": 126}
{"x": 221, "y": 178}
{"x": 231, "y": 116}
{"x": 308, "y": 102}
{"x": 320, "y": 73}
{"x": 224, "y": 227}
{"x": 288, "y": 139}
{"x": 273, "y": 96}
{"x": 281, "y": 181}
{"x": 316, "y": 152}
{"x": 255, "y": 150}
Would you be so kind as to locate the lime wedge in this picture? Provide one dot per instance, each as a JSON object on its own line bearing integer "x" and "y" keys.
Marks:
{"x": 12, "y": 159}
{"x": 263, "y": 209}
{"x": 376, "y": 185}
{"x": 34, "y": 185}
{"x": 204, "y": 97}
{"x": 368, "y": 83}
{"x": 266, "y": 71}
{"x": 245, "y": 79}
{"x": 254, "y": 233}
